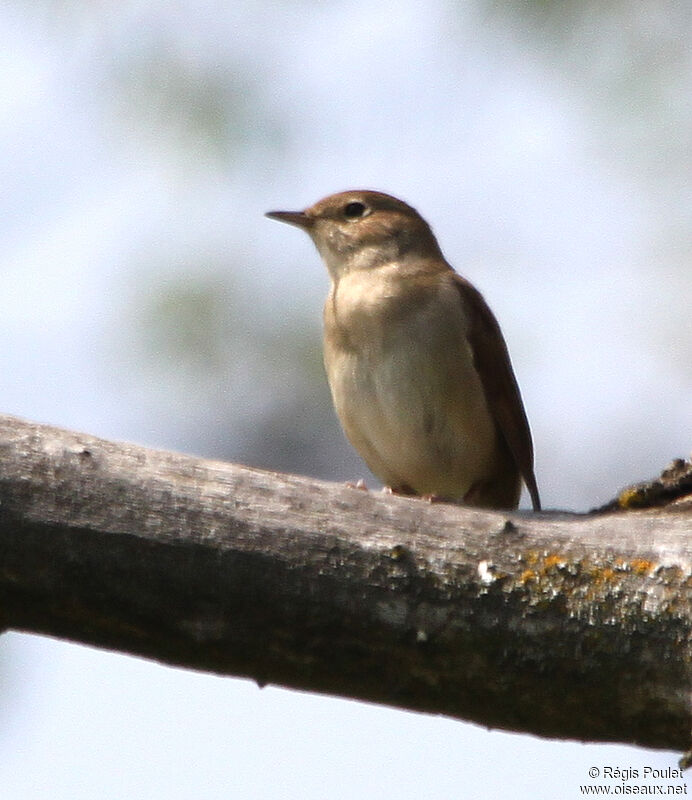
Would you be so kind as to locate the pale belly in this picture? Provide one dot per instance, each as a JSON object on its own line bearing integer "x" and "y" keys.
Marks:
{"x": 414, "y": 408}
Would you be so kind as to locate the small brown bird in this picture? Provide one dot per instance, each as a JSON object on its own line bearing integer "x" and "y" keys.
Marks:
{"x": 418, "y": 369}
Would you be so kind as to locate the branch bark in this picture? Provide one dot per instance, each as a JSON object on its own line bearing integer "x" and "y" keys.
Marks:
{"x": 561, "y": 625}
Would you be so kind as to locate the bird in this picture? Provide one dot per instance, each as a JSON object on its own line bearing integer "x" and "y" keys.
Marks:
{"x": 418, "y": 369}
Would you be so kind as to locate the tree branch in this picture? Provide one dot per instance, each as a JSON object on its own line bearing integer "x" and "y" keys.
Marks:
{"x": 569, "y": 626}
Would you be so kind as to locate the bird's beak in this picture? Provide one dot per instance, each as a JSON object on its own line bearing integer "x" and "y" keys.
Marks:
{"x": 298, "y": 218}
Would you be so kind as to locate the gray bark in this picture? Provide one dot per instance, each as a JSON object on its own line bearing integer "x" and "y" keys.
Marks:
{"x": 561, "y": 625}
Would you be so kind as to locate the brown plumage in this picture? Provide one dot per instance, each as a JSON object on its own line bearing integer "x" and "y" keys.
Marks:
{"x": 418, "y": 369}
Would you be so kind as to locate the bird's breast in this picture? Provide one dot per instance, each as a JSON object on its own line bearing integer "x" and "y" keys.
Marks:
{"x": 403, "y": 381}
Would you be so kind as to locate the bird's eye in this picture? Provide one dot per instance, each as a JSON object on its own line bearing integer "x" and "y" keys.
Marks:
{"x": 355, "y": 210}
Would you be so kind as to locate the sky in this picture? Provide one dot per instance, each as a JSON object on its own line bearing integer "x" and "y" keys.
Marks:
{"x": 143, "y": 141}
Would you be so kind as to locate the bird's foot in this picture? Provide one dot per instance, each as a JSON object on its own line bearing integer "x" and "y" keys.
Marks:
{"x": 359, "y": 484}
{"x": 435, "y": 498}
{"x": 407, "y": 491}
{"x": 404, "y": 490}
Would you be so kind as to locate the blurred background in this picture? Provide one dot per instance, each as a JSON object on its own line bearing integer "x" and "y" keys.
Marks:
{"x": 144, "y": 297}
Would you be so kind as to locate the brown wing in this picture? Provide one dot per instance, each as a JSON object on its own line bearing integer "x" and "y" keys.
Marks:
{"x": 501, "y": 390}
